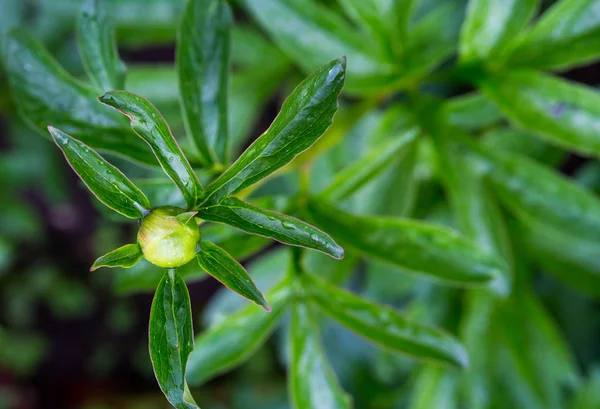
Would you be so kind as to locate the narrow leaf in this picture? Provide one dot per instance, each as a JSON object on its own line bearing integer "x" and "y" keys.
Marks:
{"x": 303, "y": 118}
{"x": 127, "y": 256}
{"x": 149, "y": 124}
{"x": 435, "y": 387}
{"x": 384, "y": 325}
{"x": 312, "y": 382}
{"x": 203, "y": 64}
{"x": 98, "y": 48}
{"x": 417, "y": 246}
{"x": 490, "y": 24}
{"x": 219, "y": 264}
{"x": 104, "y": 180}
{"x": 472, "y": 111}
{"x": 236, "y": 338}
{"x": 45, "y": 94}
{"x": 567, "y": 35}
{"x": 283, "y": 20}
{"x": 172, "y": 339}
{"x": 364, "y": 170}
{"x": 280, "y": 227}
{"x": 474, "y": 209}
{"x": 562, "y": 112}
{"x": 535, "y": 193}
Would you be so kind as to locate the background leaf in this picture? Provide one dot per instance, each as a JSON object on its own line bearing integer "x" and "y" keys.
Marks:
{"x": 562, "y": 112}
{"x": 312, "y": 382}
{"x": 384, "y": 325}
{"x": 203, "y": 64}
{"x": 417, "y": 246}
{"x": 98, "y": 48}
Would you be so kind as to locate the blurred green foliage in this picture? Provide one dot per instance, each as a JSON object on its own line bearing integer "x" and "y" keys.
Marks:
{"x": 455, "y": 118}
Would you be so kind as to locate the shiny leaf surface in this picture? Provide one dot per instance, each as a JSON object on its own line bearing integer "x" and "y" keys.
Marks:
{"x": 219, "y": 264}
{"x": 303, "y": 118}
{"x": 203, "y": 64}
{"x": 277, "y": 226}
{"x": 127, "y": 256}
{"x": 104, "y": 180}
{"x": 172, "y": 339}
{"x": 149, "y": 125}
{"x": 418, "y": 246}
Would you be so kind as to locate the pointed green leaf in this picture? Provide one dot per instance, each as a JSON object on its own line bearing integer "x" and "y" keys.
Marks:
{"x": 186, "y": 217}
{"x": 98, "y": 48}
{"x": 567, "y": 35}
{"x": 560, "y": 111}
{"x": 46, "y": 95}
{"x": 149, "y": 124}
{"x": 522, "y": 143}
{"x": 127, "y": 256}
{"x": 172, "y": 339}
{"x": 283, "y": 20}
{"x": 536, "y": 193}
{"x": 104, "y": 180}
{"x": 312, "y": 382}
{"x": 365, "y": 169}
{"x": 280, "y": 227}
{"x": 219, "y": 264}
{"x": 303, "y": 118}
{"x": 236, "y": 338}
{"x": 384, "y": 325}
{"x": 417, "y": 246}
{"x": 203, "y": 63}
{"x": 490, "y": 24}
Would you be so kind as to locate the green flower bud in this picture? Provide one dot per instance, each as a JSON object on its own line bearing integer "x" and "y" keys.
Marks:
{"x": 169, "y": 237}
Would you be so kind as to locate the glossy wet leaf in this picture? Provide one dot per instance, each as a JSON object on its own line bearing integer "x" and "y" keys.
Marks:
{"x": 312, "y": 382}
{"x": 418, "y": 246}
{"x": 233, "y": 340}
{"x": 566, "y": 35}
{"x": 219, "y": 264}
{"x": 172, "y": 339}
{"x": 127, "y": 256}
{"x": 149, "y": 125}
{"x": 46, "y": 95}
{"x": 364, "y": 170}
{"x": 562, "y": 112}
{"x": 203, "y": 64}
{"x": 490, "y": 24}
{"x": 236, "y": 242}
{"x": 274, "y": 225}
{"x": 104, "y": 180}
{"x": 536, "y": 193}
{"x": 284, "y": 19}
{"x": 98, "y": 48}
{"x": 303, "y": 118}
{"x": 384, "y": 325}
